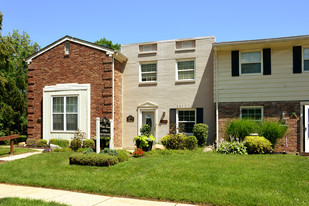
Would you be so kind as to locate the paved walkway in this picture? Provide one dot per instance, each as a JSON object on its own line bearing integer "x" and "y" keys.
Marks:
{"x": 20, "y": 156}
{"x": 75, "y": 198}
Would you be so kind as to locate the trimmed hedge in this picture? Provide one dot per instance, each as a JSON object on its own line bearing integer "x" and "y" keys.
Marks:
{"x": 257, "y": 145}
{"x": 201, "y": 133}
{"x": 123, "y": 155}
{"x": 179, "y": 141}
{"x": 93, "y": 159}
{"x": 88, "y": 143}
{"x": 76, "y": 144}
{"x": 61, "y": 142}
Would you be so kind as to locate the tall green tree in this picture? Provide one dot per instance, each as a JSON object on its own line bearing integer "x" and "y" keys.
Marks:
{"x": 13, "y": 80}
{"x": 109, "y": 44}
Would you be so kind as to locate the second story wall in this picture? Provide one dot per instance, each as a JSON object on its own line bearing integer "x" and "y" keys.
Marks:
{"x": 283, "y": 84}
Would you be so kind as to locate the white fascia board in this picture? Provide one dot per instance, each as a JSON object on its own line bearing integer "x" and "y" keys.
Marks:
{"x": 71, "y": 39}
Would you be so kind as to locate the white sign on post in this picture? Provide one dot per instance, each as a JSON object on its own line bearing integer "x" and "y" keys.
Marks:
{"x": 98, "y": 135}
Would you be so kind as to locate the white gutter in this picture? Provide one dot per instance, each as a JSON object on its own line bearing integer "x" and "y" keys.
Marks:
{"x": 217, "y": 96}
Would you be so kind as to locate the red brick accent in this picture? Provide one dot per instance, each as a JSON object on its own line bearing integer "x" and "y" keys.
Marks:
{"x": 272, "y": 110}
{"x": 84, "y": 65}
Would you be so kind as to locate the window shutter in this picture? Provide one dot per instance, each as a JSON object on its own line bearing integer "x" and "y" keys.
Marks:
{"x": 297, "y": 59}
{"x": 235, "y": 63}
{"x": 266, "y": 61}
{"x": 199, "y": 115}
{"x": 172, "y": 121}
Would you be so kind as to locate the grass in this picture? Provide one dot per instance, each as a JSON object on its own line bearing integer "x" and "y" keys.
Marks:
{"x": 5, "y": 151}
{"x": 26, "y": 202}
{"x": 192, "y": 177}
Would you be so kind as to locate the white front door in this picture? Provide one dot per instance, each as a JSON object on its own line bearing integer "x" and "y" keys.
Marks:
{"x": 148, "y": 118}
{"x": 306, "y": 128}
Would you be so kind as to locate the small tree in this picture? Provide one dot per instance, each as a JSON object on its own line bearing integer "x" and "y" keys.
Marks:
{"x": 109, "y": 44}
{"x": 201, "y": 133}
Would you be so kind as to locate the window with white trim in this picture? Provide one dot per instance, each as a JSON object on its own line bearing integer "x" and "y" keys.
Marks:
{"x": 185, "y": 69}
{"x": 186, "y": 120}
{"x": 250, "y": 62}
{"x": 306, "y": 59}
{"x": 67, "y": 48}
{"x": 65, "y": 113}
{"x": 251, "y": 113}
{"x": 148, "y": 72}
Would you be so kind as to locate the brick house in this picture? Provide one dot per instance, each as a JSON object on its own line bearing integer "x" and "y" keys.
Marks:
{"x": 265, "y": 79}
{"x": 70, "y": 83}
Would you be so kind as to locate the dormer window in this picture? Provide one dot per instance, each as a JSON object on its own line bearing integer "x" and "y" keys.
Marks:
{"x": 67, "y": 48}
{"x": 185, "y": 45}
{"x": 148, "y": 48}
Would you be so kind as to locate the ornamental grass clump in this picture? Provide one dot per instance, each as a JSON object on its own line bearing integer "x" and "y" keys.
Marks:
{"x": 240, "y": 128}
{"x": 257, "y": 145}
{"x": 272, "y": 131}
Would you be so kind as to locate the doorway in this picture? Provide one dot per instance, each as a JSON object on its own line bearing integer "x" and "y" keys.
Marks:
{"x": 306, "y": 128}
{"x": 148, "y": 118}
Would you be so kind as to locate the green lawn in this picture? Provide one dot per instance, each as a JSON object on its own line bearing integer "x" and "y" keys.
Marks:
{"x": 26, "y": 202}
{"x": 5, "y": 151}
{"x": 192, "y": 177}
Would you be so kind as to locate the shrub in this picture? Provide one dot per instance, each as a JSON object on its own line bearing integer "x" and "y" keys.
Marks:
{"x": 76, "y": 144}
{"x": 46, "y": 150}
{"x": 93, "y": 159}
{"x": 61, "y": 142}
{"x": 257, "y": 145}
{"x": 146, "y": 130}
{"x": 138, "y": 153}
{"x": 64, "y": 149}
{"x": 201, "y": 133}
{"x": 234, "y": 147}
{"x": 109, "y": 152}
{"x": 41, "y": 143}
{"x": 239, "y": 129}
{"x": 123, "y": 155}
{"x": 88, "y": 143}
{"x": 88, "y": 151}
{"x": 190, "y": 142}
{"x": 173, "y": 141}
{"x": 272, "y": 131}
{"x": 31, "y": 142}
{"x": 144, "y": 140}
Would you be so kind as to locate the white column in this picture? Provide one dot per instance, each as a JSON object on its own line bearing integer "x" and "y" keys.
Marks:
{"x": 98, "y": 134}
{"x": 111, "y": 142}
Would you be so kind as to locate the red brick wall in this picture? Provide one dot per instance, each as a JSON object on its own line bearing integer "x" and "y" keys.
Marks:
{"x": 272, "y": 110}
{"x": 84, "y": 65}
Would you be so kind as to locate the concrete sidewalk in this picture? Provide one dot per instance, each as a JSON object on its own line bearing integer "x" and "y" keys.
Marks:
{"x": 74, "y": 198}
{"x": 20, "y": 156}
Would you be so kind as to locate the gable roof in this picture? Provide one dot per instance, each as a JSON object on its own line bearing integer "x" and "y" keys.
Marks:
{"x": 119, "y": 56}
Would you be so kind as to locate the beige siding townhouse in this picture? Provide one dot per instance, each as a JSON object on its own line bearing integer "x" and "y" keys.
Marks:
{"x": 168, "y": 83}
{"x": 265, "y": 79}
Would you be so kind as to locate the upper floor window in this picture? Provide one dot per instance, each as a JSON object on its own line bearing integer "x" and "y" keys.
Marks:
{"x": 185, "y": 69}
{"x": 65, "y": 113}
{"x": 250, "y": 63}
{"x": 251, "y": 113}
{"x": 148, "y": 48}
{"x": 306, "y": 59}
{"x": 148, "y": 72}
{"x": 185, "y": 44}
{"x": 67, "y": 48}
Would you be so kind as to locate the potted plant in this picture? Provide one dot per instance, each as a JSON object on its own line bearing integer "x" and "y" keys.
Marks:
{"x": 146, "y": 139}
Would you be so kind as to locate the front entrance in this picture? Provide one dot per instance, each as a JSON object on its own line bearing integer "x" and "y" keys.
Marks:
{"x": 148, "y": 118}
{"x": 306, "y": 128}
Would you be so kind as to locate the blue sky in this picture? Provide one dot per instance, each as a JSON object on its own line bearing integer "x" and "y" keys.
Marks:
{"x": 132, "y": 21}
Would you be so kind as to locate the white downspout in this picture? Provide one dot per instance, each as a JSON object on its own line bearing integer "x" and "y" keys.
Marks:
{"x": 217, "y": 96}
{"x": 112, "y": 121}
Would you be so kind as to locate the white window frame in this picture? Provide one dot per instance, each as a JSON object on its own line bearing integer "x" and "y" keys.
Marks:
{"x": 177, "y": 118}
{"x": 140, "y": 72}
{"x": 194, "y": 69}
{"x": 303, "y": 58}
{"x": 64, "y": 113}
{"x": 253, "y": 107}
{"x": 67, "y": 48}
{"x": 251, "y": 51}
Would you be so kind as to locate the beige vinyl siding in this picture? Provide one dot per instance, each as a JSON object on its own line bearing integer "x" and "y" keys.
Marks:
{"x": 281, "y": 85}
